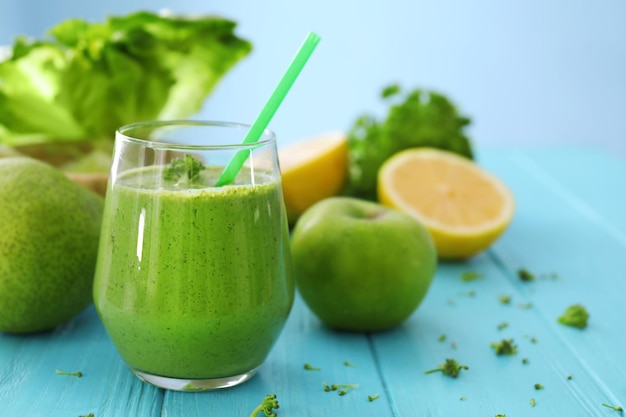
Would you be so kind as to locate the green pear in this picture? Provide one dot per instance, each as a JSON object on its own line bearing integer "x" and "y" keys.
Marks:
{"x": 49, "y": 232}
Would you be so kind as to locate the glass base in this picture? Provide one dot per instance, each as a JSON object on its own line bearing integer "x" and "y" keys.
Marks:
{"x": 194, "y": 385}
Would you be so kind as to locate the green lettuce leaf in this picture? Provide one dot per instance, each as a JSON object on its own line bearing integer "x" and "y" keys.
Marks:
{"x": 88, "y": 79}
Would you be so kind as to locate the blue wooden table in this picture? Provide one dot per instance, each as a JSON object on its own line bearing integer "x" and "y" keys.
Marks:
{"x": 569, "y": 231}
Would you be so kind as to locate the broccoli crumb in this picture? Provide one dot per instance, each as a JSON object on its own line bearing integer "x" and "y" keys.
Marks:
{"x": 575, "y": 316}
{"x": 612, "y": 407}
{"x": 342, "y": 389}
{"x": 267, "y": 406}
{"x": 524, "y": 275}
{"x": 504, "y": 347}
{"x": 470, "y": 276}
{"x": 450, "y": 368}
{"x": 76, "y": 374}
{"x": 505, "y": 299}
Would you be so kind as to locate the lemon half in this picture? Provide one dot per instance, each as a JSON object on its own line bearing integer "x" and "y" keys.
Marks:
{"x": 464, "y": 207}
{"x": 312, "y": 169}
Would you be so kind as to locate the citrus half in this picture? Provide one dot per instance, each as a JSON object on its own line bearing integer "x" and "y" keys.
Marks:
{"x": 312, "y": 169}
{"x": 464, "y": 207}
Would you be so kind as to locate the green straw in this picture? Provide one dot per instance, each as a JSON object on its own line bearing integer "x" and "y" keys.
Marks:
{"x": 260, "y": 124}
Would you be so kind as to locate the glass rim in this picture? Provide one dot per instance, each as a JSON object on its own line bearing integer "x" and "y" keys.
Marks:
{"x": 123, "y": 132}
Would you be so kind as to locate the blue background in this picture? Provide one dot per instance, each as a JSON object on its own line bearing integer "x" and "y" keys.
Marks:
{"x": 532, "y": 72}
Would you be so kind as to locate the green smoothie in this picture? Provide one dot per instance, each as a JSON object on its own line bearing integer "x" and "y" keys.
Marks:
{"x": 193, "y": 283}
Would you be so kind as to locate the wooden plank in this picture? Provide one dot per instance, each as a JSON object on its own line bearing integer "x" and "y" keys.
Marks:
{"x": 549, "y": 234}
{"x": 29, "y": 384}
{"x": 493, "y": 384}
{"x": 579, "y": 206}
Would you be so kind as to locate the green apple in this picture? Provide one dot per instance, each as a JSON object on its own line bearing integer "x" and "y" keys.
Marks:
{"x": 361, "y": 266}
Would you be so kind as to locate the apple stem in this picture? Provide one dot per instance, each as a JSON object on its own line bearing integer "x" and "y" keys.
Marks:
{"x": 376, "y": 215}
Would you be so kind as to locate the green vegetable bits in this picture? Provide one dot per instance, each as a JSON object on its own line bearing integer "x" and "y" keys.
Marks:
{"x": 450, "y": 368}
{"x": 267, "y": 407}
{"x": 90, "y": 78}
{"x": 575, "y": 315}
{"x": 419, "y": 118}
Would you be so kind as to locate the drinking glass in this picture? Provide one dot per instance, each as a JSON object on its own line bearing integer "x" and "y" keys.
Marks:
{"x": 193, "y": 282}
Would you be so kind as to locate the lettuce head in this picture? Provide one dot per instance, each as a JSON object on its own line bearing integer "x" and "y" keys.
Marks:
{"x": 87, "y": 79}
